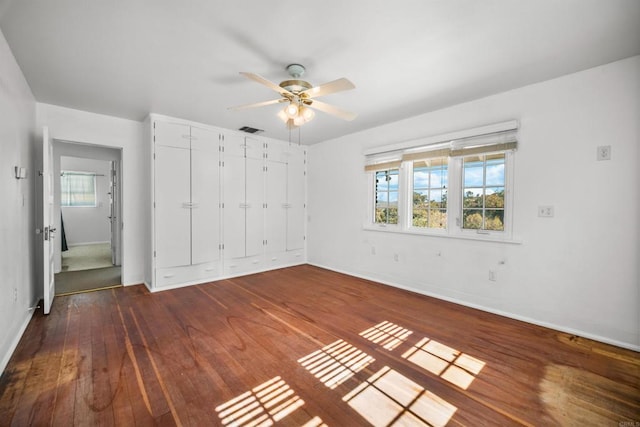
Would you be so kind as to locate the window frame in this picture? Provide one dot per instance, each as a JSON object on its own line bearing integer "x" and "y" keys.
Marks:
{"x": 455, "y": 188}
{"x": 373, "y": 197}
{"x": 409, "y": 220}
{"x": 62, "y": 190}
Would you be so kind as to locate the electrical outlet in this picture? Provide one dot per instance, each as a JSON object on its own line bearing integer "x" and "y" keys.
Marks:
{"x": 493, "y": 275}
{"x": 545, "y": 211}
{"x": 604, "y": 152}
{"x": 15, "y": 294}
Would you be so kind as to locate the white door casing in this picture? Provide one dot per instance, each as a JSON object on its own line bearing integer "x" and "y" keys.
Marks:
{"x": 47, "y": 231}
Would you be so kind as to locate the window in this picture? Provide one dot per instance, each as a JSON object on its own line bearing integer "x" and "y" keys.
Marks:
{"x": 386, "y": 209}
{"x": 460, "y": 187}
{"x": 78, "y": 189}
{"x": 483, "y": 192}
{"x": 429, "y": 198}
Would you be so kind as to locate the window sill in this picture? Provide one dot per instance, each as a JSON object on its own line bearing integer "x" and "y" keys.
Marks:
{"x": 445, "y": 235}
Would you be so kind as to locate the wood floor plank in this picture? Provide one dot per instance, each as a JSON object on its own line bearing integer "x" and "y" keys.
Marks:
{"x": 305, "y": 345}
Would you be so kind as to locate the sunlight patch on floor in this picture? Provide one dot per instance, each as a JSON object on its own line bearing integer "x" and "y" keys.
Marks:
{"x": 388, "y": 398}
{"x": 263, "y": 406}
{"x": 387, "y": 334}
{"x": 448, "y": 363}
{"x": 335, "y": 363}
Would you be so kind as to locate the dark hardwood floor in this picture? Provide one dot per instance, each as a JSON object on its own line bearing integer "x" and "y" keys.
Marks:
{"x": 305, "y": 346}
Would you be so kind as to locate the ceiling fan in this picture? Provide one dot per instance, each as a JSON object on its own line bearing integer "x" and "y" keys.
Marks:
{"x": 300, "y": 97}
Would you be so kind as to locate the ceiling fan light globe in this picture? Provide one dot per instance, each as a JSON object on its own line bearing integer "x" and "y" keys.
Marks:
{"x": 291, "y": 110}
{"x": 283, "y": 116}
{"x": 308, "y": 114}
{"x": 299, "y": 121}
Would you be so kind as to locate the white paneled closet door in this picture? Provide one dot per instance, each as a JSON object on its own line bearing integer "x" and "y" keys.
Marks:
{"x": 276, "y": 211}
{"x": 296, "y": 215}
{"x": 234, "y": 211}
{"x": 205, "y": 196}
{"x": 172, "y": 195}
{"x": 254, "y": 188}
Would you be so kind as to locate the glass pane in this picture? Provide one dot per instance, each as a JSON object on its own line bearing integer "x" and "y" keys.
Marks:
{"x": 494, "y": 220}
{"x": 420, "y": 178}
{"x": 420, "y": 198}
{"x": 494, "y": 197}
{"x": 381, "y": 215}
{"x": 438, "y": 218}
{"x": 381, "y": 181}
{"x": 393, "y": 197}
{"x": 393, "y": 181}
{"x": 78, "y": 189}
{"x": 419, "y": 218}
{"x": 495, "y": 170}
{"x": 392, "y": 215}
{"x": 472, "y": 198}
{"x": 473, "y": 171}
{"x": 472, "y": 218}
{"x": 439, "y": 178}
{"x": 436, "y": 199}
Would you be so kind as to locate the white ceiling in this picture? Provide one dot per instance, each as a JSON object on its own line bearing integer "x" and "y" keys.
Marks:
{"x": 127, "y": 58}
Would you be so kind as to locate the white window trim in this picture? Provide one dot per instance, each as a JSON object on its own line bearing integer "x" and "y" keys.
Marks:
{"x": 454, "y": 201}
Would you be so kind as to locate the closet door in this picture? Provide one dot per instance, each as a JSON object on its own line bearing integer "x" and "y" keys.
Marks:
{"x": 172, "y": 206}
{"x": 205, "y": 196}
{"x": 172, "y": 135}
{"x": 234, "y": 233}
{"x": 296, "y": 214}
{"x": 276, "y": 211}
{"x": 254, "y": 187}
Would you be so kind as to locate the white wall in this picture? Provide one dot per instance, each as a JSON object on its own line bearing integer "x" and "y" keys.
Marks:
{"x": 95, "y": 129}
{"x": 576, "y": 272}
{"x": 17, "y": 221}
{"x": 84, "y": 225}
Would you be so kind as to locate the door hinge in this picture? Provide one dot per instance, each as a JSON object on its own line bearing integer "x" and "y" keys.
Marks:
{"x": 154, "y": 254}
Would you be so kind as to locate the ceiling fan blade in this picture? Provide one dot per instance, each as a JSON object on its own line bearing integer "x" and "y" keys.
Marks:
{"x": 257, "y": 104}
{"x": 328, "y": 88}
{"x": 267, "y": 83}
{"x": 334, "y": 111}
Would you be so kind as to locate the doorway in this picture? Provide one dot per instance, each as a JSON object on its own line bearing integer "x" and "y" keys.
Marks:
{"x": 87, "y": 195}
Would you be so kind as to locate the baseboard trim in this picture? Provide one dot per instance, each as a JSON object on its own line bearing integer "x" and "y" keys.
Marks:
{"x": 16, "y": 340}
{"x": 507, "y": 314}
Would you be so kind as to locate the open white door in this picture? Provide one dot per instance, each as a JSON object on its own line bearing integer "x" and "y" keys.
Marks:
{"x": 48, "y": 230}
{"x": 114, "y": 212}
